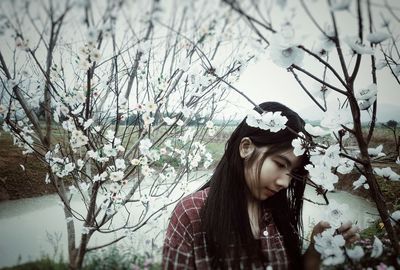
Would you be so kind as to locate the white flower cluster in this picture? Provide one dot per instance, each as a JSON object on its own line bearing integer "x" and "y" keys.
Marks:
{"x": 61, "y": 167}
{"x": 387, "y": 173}
{"x": 335, "y": 214}
{"x": 168, "y": 174}
{"x": 330, "y": 246}
{"x": 366, "y": 96}
{"x": 195, "y": 157}
{"x": 108, "y": 150}
{"x": 284, "y": 50}
{"x": 271, "y": 121}
{"x": 24, "y": 139}
{"x": 321, "y": 168}
{"x": 78, "y": 139}
{"x": 361, "y": 181}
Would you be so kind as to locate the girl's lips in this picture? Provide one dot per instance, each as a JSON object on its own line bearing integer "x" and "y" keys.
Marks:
{"x": 271, "y": 190}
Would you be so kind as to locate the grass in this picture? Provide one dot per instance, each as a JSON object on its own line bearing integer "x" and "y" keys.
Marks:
{"x": 107, "y": 259}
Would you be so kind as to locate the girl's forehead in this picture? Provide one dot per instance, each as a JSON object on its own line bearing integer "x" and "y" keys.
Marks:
{"x": 286, "y": 155}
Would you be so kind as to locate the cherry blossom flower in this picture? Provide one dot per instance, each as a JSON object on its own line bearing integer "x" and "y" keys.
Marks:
{"x": 114, "y": 188}
{"x": 151, "y": 107}
{"x": 78, "y": 139}
{"x": 376, "y": 152}
{"x": 345, "y": 166}
{"x": 144, "y": 146}
{"x": 209, "y": 124}
{"x": 339, "y": 5}
{"x": 361, "y": 181}
{"x": 22, "y": 44}
{"x": 116, "y": 176}
{"x": 316, "y": 130}
{"x": 109, "y": 150}
{"x": 387, "y": 173}
{"x": 366, "y": 96}
{"x": 395, "y": 216}
{"x": 272, "y": 121}
{"x": 321, "y": 175}
{"x": 356, "y": 46}
{"x": 285, "y": 54}
{"x": 335, "y": 214}
{"x": 333, "y": 119}
{"x": 325, "y": 41}
{"x": 299, "y": 145}
{"x": 169, "y": 121}
{"x": 87, "y": 124}
{"x": 330, "y": 247}
{"x": 367, "y": 103}
{"x": 377, "y": 37}
{"x": 135, "y": 162}
{"x": 331, "y": 157}
{"x": 377, "y": 248}
{"x": 355, "y": 253}
{"x": 366, "y": 93}
{"x": 284, "y": 50}
{"x": 100, "y": 177}
{"x": 120, "y": 164}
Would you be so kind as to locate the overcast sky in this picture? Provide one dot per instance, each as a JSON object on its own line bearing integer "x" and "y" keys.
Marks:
{"x": 263, "y": 80}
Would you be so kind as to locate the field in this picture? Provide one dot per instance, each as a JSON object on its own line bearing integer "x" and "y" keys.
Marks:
{"x": 28, "y": 181}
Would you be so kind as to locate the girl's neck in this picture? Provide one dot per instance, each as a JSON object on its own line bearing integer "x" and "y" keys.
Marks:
{"x": 253, "y": 209}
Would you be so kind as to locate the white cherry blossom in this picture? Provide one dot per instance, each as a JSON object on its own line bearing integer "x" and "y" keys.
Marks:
{"x": 387, "y": 173}
{"x": 145, "y": 145}
{"x": 116, "y": 176}
{"x": 330, "y": 247}
{"x": 321, "y": 175}
{"x": 377, "y": 248}
{"x": 356, "y": 46}
{"x": 316, "y": 130}
{"x": 377, "y": 37}
{"x": 339, "y": 5}
{"x": 361, "y": 181}
{"x": 395, "y": 217}
{"x": 169, "y": 121}
{"x": 273, "y": 121}
{"x": 367, "y": 92}
{"x": 376, "y": 152}
{"x": 335, "y": 214}
{"x": 355, "y": 253}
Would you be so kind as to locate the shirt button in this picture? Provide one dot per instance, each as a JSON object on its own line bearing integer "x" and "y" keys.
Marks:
{"x": 265, "y": 233}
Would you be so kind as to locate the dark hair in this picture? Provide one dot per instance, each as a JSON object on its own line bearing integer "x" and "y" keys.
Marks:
{"x": 225, "y": 218}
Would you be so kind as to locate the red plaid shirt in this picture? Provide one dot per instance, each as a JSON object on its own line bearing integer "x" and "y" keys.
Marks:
{"x": 185, "y": 245}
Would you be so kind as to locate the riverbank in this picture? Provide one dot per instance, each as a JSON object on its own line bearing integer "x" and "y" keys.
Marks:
{"x": 20, "y": 176}
{"x": 24, "y": 176}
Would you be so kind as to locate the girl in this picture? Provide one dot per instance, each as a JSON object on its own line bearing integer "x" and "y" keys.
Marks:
{"x": 249, "y": 214}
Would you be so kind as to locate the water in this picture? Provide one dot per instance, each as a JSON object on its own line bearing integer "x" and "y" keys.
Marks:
{"x": 27, "y": 225}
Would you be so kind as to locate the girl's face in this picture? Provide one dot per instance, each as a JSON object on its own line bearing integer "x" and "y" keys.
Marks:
{"x": 274, "y": 174}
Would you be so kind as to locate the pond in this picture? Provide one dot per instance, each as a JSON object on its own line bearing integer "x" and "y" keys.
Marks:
{"x": 33, "y": 227}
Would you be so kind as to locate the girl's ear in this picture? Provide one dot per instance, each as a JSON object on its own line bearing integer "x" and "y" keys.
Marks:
{"x": 246, "y": 147}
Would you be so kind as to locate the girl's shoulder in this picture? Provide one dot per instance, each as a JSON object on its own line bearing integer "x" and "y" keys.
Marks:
{"x": 191, "y": 205}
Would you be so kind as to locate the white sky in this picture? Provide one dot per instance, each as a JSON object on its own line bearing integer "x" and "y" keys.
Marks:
{"x": 264, "y": 81}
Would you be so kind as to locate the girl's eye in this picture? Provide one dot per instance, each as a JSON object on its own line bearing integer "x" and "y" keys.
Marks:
{"x": 280, "y": 165}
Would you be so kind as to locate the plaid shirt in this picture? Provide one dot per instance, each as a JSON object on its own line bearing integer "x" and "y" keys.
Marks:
{"x": 185, "y": 245}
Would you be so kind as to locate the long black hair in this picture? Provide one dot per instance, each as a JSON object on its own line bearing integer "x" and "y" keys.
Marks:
{"x": 225, "y": 217}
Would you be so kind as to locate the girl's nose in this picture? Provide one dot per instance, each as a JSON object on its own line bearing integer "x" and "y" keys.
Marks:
{"x": 284, "y": 180}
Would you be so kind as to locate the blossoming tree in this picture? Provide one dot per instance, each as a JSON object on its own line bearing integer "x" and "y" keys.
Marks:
{"x": 345, "y": 42}
{"x": 103, "y": 93}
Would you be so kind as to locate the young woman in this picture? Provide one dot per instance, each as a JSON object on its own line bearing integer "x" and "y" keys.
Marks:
{"x": 249, "y": 215}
